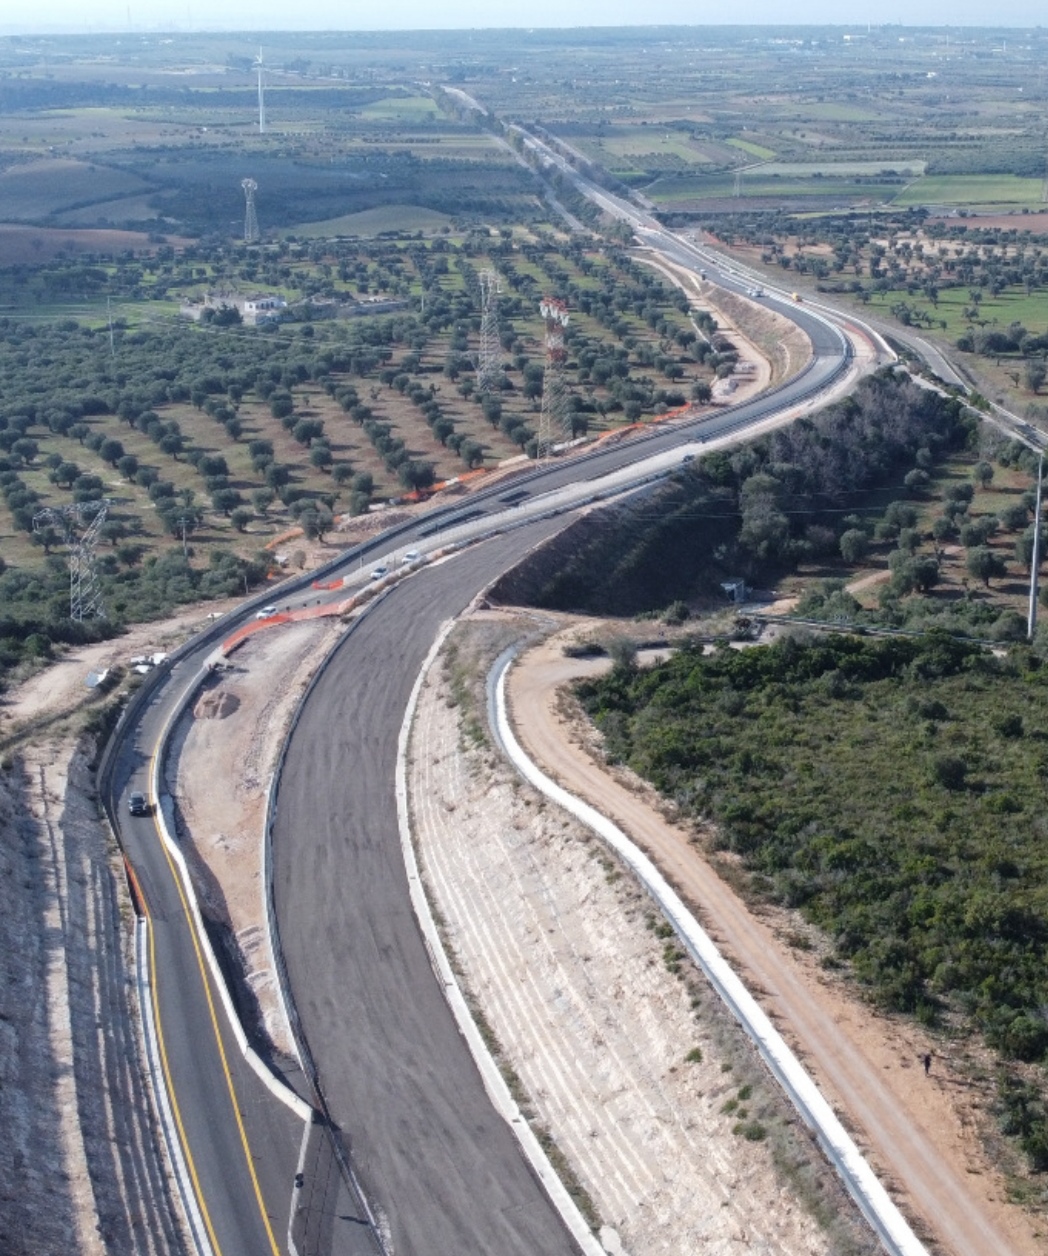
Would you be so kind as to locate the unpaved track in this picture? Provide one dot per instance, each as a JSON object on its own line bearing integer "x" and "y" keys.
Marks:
{"x": 866, "y": 1065}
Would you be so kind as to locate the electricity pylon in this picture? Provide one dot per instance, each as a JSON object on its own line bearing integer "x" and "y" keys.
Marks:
{"x": 85, "y": 592}
{"x": 488, "y": 357}
{"x": 251, "y": 232}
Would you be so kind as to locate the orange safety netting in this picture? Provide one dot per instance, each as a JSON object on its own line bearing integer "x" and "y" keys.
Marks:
{"x": 322, "y": 611}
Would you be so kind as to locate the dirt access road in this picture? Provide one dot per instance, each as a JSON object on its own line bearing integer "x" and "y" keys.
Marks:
{"x": 918, "y": 1132}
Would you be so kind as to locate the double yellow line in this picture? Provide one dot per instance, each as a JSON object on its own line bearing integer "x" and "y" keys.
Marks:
{"x": 275, "y": 1250}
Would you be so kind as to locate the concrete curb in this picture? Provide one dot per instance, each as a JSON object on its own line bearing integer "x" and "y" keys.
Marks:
{"x": 498, "y": 1091}
{"x": 862, "y": 1184}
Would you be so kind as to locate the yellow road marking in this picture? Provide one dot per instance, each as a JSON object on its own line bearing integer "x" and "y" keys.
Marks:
{"x": 167, "y": 1072}
{"x": 221, "y": 1051}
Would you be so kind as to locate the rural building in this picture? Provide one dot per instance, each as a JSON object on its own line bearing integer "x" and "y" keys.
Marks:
{"x": 255, "y": 309}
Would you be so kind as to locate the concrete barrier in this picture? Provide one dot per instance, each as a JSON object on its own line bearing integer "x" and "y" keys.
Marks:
{"x": 164, "y": 824}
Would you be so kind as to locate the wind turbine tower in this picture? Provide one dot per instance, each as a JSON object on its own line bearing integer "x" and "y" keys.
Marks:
{"x": 251, "y": 232}
{"x": 261, "y": 97}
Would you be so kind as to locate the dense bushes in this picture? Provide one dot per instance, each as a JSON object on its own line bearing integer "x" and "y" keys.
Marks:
{"x": 757, "y": 510}
{"x": 892, "y": 790}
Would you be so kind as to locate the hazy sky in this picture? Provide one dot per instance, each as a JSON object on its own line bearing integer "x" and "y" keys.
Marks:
{"x": 85, "y": 15}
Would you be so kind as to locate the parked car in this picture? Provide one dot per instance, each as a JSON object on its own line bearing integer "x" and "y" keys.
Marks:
{"x": 138, "y": 804}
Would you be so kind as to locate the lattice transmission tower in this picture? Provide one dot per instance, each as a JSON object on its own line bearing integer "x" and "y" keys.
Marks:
{"x": 85, "y": 591}
{"x": 250, "y": 217}
{"x": 490, "y": 346}
{"x": 554, "y": 421}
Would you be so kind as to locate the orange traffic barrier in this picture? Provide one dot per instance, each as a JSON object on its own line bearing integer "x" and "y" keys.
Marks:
{"x": 284, "y": 536}
{"x": 424, "y": 494}
{"x": 247, "y": 630}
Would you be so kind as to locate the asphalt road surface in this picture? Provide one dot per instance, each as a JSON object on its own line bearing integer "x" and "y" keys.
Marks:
{"x": 201, "y": 1051}
{"x": 439, "y": 1165}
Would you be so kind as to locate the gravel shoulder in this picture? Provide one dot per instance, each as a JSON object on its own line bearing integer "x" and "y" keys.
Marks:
{"x": 921, "y": 1134}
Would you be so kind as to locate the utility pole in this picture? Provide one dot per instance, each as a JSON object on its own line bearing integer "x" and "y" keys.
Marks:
{"x": 1035, "y": 558}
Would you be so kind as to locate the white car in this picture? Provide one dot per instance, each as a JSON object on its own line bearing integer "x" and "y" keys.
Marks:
{"x": 410, "y": 556}
{"x": 266, "y": 612}
{"x": 379, "y": 572}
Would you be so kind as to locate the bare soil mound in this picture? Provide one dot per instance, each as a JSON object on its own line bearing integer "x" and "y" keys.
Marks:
{"x": 216, "y": 705}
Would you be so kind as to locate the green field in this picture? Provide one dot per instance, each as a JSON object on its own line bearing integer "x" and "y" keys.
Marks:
{"x": 1010, "y": 306}
{"x": 618, "y": 148}
{"x": 721, "y": 187}
{"x": 754, "y": 150}
{"x": 840, "y": 169}
{"x": 370, "y": 222}
{"x": 402, "y": 109}
{"x": 985, "y": 191}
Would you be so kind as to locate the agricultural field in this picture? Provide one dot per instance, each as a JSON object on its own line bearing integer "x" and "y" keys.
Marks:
{"x": 981, "y": 193}
{"x": 213, "y": 441}
{"x": 981, "y": 284}
{"x": 372, "y": 222}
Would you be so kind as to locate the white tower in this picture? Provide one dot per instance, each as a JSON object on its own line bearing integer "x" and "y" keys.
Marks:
{"x": 261, "y": 97}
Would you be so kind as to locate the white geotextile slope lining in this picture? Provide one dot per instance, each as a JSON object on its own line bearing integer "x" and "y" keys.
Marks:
{"x": 494, "y": 1083}
{"x": 874, "y": 1201}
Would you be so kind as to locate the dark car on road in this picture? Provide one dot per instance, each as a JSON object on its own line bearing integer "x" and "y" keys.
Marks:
{"x": 138, "y": 804}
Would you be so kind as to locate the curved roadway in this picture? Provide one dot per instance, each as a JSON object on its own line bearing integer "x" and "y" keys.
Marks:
{"x": 397, "y": 1077}
{"x": 392, "y": 1064}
